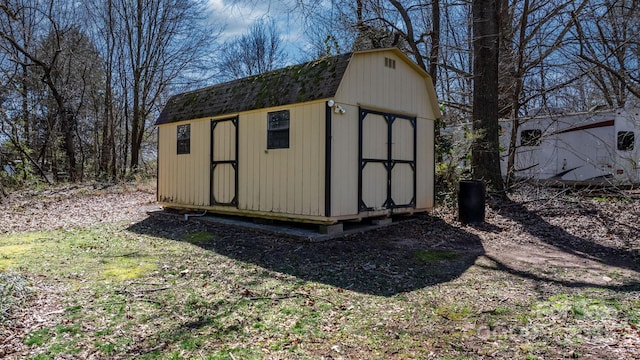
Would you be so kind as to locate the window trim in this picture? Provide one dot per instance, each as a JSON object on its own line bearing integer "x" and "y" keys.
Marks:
{"x": 183, "y": 139}
{"x": 626, "y": 138}
{"x": 276, "y": 130}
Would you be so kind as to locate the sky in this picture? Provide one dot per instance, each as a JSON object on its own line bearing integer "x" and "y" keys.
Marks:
{"x": 237, "y": 18}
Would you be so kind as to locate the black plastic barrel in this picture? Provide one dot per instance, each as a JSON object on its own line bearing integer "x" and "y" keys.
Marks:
{"x": 471, "y": 198}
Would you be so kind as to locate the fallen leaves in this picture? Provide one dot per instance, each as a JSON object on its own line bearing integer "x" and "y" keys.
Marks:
{"x": 72, "y": 207}
{"x": 429, "y": 286}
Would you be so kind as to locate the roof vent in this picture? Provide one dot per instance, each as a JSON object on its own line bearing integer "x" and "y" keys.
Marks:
{"x": 390, "y": 63}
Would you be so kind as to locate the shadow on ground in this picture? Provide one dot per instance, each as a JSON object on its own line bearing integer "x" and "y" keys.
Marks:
{"x": 554, "y": 235}
{"x": 613, "y": 254}
{"x": 404, "y": 257}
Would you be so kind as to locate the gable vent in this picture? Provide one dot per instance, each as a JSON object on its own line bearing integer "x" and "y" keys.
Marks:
{"x": 390, "y": 63}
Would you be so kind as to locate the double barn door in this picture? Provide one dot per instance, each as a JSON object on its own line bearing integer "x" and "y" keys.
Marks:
{"x": 387, "y": 154}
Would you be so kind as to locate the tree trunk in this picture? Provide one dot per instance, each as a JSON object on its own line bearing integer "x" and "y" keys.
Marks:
{"x": 136, "y": 121}
{"x": 25, "y": 108}
{"x": 68, "y": 133}
{"x": 135, "y": 127}
{"x": 107, "y": 136}
{"x": 127, "y": 135}
{"x": 434, "y": 53}
{"x": 105, "y": 147}
{"x": 485, "y": 152}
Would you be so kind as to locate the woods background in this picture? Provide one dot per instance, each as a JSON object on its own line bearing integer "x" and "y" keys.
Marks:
{"x": 82, "y": 83}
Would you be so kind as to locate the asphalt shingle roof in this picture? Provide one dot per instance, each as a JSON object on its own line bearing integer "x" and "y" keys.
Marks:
{"x": 310, "y": 81}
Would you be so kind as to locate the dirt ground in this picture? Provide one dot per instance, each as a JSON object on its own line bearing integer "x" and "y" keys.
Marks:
{"x": 75, "y": 206}
{"x": 549, "y": 237}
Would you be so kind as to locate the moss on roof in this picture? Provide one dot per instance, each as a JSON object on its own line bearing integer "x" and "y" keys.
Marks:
{"x": 294, "y": 84}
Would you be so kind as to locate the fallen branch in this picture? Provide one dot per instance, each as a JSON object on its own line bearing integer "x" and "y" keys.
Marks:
{"x": 289, "y": 296}
{"x": 123, "y": 255}
{"x": 154, "y": 290}
{"x": 137, "y": 293}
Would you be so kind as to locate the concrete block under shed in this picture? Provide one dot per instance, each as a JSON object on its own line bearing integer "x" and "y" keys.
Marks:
{"x": 382, "y": 221}
{"x": 331, "y": 229}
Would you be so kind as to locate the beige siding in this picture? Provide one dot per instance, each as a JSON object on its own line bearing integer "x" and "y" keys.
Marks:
{"x": 374, "y": 147}
{"x": 284, "y": 181}
{"x": 374, "y": 185}
{"x": 375, "y": 132}
{"x": 402, "y": 175}
{"x": 184, "y": 179}
{"x": 367, "y": 83}
{"x": 402, "y": 140}
{"x": 344, "y": 162}
{"x": 288, "y": 181}
{"x": 402, "y": 184}
{"x": 426, "y": 164}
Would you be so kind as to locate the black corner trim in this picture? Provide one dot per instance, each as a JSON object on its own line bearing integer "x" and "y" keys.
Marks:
{"x": 327, "y": 161}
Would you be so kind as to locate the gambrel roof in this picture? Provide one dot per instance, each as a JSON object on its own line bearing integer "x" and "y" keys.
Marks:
{"x": 310, "y": 81}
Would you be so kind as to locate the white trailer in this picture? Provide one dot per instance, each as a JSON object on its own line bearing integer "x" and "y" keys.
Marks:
{"x": 596, "y": 147}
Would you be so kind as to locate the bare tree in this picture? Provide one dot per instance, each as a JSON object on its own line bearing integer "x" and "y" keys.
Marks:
{"x": 77, "y": 77}
{"x": 531, "y": 31}
{"x": 256, "y": 52}
{"x": 608, "y": 35}
{"x": 413, "y": 26}
{"x": 87, "y": 107}
{"x": 163, "y": 40}
{"x": 102, "y": 15}
{"x": 49, "y": 65}
{"x": 16, "y": 121}
{"x": 456, "y": 64}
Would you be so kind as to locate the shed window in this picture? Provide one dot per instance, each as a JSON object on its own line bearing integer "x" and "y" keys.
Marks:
{"x": 184, "y": 139}
{"x": 625, "y": 140}
{"x": 530, "y": 137}
{"x": 278, "y": 130}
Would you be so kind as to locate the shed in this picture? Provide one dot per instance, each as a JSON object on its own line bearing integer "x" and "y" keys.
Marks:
{"x": 340, "y": 138}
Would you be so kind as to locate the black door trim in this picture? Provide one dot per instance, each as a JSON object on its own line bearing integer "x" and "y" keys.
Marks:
{"x": 232, "y": 162}
{"x": 389, "y": 162}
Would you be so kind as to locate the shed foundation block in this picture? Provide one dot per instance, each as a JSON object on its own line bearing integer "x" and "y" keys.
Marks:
{"x": 382, "y": 221}
{"x": 331, "y": 229}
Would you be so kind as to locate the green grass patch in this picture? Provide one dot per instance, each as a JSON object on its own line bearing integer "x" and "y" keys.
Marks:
{"x": 577, "y": 306}
{"x": 105, "y": 348}
{"x": 9, "y": 254}
{"x": 38, "y": 337}
{"x": 14, "y": 247}
{"x": 120, "y": 269}
{"x": 455, "y": 312}
{"x": 430, "y": 256}
{"x": 199, "y": 237}
{"x": 127, "y": 294}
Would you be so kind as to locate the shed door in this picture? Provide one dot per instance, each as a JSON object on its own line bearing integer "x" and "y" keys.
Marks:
{"x": 224, "y": 162}
{"x": 387, "y": 155}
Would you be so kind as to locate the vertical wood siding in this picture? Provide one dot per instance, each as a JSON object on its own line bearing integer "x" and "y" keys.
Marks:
{"x": 368, "y": 83}
{"x": 289, "y": 181}
{"x": 344, "y": 162}
{"x": 184, "y": 179}
{"x": 426, "y": 163}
